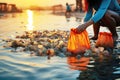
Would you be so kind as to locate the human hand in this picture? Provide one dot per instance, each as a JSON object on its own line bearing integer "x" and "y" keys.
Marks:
{"x": 81, "y": 28}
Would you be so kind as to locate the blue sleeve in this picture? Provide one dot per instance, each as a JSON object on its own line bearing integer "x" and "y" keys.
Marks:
{"x": 101, "y": 11}
{"x": 117, "y": 5}
{"x": 88, "y": 15}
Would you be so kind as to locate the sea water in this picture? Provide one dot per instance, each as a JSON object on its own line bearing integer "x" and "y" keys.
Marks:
{"x": 22, "y": 66}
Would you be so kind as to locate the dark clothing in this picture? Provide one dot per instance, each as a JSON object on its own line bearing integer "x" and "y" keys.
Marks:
{"x": 68, "y": 8}
{"x": 101, "y": 10}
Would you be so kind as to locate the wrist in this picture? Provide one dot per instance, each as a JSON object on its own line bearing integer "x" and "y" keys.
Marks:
{"x": 90, "y": 22}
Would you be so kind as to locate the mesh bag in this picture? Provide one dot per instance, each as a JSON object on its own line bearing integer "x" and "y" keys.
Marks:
{"x": 105, "y": 40}
{"x": 78, "y": 42}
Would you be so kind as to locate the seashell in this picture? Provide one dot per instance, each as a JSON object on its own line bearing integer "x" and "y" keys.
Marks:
{"x": 40, "y": 46}
{"x": 95, "y": 50}
{"x": 35, "y": 42}
{"x": 101, "y": 49}
{"x": 40, "y": 53}
{"x": 50, "y": 52}
{"x": 106, "y": 53}
{"x": 49, "y": 40}
{"x": 61, "y": 42}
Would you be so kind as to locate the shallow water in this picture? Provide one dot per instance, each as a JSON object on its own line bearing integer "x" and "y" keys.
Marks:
{"x": 41, "y": 20}
{"x": 22, "y": 66}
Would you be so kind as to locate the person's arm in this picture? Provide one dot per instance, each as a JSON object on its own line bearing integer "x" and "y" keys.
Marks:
{"x": 98, "y": 15}
{"x": 101, "y": 11}
{"x": 118, "y": 2}
{"x": 87, "y": 21}
{"x": 88, "y": 15}
{"x": 82, "y": 27}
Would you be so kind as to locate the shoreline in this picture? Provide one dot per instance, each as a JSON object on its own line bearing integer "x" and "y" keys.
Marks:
{"x": 41, "y": 55}
{"x": 55, "y": 42}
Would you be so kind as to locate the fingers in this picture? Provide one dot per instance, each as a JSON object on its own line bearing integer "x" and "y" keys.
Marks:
{"x": 80, "y": 29}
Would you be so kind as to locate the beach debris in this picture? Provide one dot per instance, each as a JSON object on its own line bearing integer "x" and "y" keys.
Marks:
{"x": 41, "y": 43}
{"x": 50, "y": 52}
{"x": 52, "y": 43}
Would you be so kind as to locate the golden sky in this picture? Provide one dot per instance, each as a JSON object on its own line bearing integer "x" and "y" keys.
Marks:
{"x": 24, "y": 3}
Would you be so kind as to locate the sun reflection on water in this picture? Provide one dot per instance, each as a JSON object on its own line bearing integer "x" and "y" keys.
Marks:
{"x": 30, "y": 26}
